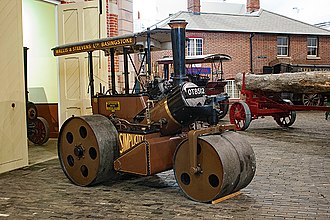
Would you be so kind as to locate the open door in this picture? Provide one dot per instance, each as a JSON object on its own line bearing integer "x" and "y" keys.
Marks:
{"x": 78, "y": 22}
{"x": 13, "y": 141}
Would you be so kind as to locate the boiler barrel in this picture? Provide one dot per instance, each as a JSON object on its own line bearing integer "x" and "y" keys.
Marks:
{"x": 177, "y": 110}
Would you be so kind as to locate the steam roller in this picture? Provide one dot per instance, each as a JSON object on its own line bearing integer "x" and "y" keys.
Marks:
{"x": 130, "y": 133}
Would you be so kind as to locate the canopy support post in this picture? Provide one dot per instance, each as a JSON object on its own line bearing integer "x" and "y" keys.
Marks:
{"x": 113, "y": 71}
{"x": 91, "y": 73}
{"x": 125, "y": 50}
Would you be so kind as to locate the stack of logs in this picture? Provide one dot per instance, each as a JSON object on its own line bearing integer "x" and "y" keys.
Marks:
{"x": 298, "y": 82}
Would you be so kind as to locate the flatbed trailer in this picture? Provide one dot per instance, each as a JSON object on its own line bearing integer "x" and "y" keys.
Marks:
{"x": 255, "y": 104}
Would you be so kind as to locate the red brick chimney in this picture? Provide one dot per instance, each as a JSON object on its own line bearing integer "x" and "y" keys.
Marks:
{"x": 194, "y": 6}
{"x": 252, "y": 6}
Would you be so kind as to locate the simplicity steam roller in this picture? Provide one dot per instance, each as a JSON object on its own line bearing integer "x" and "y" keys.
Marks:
{"x": 130, "y": 133}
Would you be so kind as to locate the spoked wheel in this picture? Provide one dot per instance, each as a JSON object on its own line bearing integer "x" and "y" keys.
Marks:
{"x": 38, "y": 131}
{"x": 31, "y": 111}
{"x": 240, "y": 115}
{"x": 286, "y": 119}
{"x": 227, "y": 165}
{"x": 312, "y": 99}
{"x": 87, "y": 147}
{"x": 223, "y": 106}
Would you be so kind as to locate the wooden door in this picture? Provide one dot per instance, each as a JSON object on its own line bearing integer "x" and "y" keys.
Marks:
{"x": 78, "y": 22}
{"x": 13, "y": 134}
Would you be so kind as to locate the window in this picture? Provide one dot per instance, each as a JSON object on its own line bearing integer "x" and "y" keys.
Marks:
{"x": 282, "y": 46}
{"x": 312, "y": 43}
{"x": 231, "y": 89}
{"x": 195, "y": 46}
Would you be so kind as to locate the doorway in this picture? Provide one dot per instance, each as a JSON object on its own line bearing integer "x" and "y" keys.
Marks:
{"x": 39, "y": 36}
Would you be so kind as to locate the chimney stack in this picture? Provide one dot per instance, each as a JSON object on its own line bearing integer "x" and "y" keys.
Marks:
{"x": 178, "y": 38}
{"x": 252, "y": 6}
{"x": 194, "y": 6}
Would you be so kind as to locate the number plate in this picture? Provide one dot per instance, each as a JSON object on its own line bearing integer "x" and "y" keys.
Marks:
{"x": 195, "y": 92}
{"x": 112, "y": 106}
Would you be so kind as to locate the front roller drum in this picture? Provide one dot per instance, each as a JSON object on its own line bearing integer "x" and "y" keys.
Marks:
{"x": 227, "y": 164}
{"x": 87, "y": 147}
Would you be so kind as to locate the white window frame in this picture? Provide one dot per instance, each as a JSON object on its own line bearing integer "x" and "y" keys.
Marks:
{"x": 314, "y": 46}
{"x": 281, "y": 47}
{"x": 193, "y": 46}
{"x": 231, "y": 89}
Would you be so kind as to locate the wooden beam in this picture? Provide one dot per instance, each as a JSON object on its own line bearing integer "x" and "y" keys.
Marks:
{"x": 226, "y": 197}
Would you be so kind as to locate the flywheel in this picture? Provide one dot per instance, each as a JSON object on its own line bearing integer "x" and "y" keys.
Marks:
{"x": 227, "y": 164}
{"x": 87, "y": 147}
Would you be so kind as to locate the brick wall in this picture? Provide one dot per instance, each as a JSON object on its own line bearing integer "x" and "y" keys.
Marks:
{"x": 194, "y": 6}
{"x": 324, "y": 48}
{"x": 237, "y": 45}
{"x": 125, "y": 19}
{"x": 298, "y": 50}
{"x": 252, "y": 5}
{"x": 112, "y": 31}
{"x": 234, "y": 44}
{"x": 125, "y": 26}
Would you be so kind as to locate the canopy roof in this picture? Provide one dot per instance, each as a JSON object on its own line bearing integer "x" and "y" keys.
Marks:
{"x": 207, "y": 58}
{"x": 136, "y": 42}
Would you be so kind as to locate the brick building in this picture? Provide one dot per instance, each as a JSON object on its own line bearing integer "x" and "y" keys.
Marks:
{"x": 256, "y": 39}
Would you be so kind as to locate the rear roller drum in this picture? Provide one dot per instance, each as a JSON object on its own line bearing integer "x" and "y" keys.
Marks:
{"x": 226, "y": 166}
{"x": 87, "y": 147}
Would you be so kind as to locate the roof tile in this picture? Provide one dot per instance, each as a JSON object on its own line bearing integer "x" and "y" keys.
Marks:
{"x": 261, "y": 22}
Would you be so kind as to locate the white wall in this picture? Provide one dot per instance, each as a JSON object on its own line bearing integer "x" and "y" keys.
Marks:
{"x": 39, "y": 35}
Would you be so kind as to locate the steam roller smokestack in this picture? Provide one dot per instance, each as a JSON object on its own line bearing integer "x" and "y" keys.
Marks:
{"x": 178, "y": 36}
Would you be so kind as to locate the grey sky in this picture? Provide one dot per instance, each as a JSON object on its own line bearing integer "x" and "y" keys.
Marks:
{"x": 310, "y": 11}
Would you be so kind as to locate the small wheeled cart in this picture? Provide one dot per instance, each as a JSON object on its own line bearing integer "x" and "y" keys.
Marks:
{"x": 37, "y": 127}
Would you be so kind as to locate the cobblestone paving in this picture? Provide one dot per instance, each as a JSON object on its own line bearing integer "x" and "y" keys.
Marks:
{"x": 292, "y": 182}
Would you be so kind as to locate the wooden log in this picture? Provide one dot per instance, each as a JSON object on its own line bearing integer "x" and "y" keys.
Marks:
{"x": 299, "y": 82}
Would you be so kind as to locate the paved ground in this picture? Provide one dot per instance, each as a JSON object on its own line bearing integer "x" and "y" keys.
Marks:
{"x": 292, "y": 182}
{"x": 39, "y": 154}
